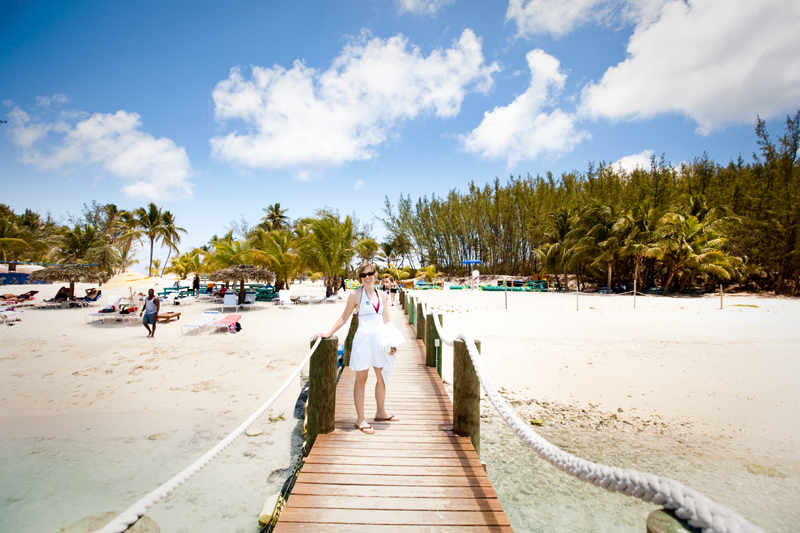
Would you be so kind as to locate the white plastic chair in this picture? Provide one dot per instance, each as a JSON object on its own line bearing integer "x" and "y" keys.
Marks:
{"x": 230, "y": 300}
{"x": 284, "y": 297}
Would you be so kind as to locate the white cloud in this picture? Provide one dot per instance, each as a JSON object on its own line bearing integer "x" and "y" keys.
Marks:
{"x": 304, "y": 118}
{"x": 714, "y": 61}
{"x": 523, "y": 130}
{"x": 150, "y": 168}
{"x": 56, "y": 99}
{"x": 629, "y": 163}
{"x": 358, "y": 185}
{"x": 422, "y": 7}
{"x": 535, "y": 17}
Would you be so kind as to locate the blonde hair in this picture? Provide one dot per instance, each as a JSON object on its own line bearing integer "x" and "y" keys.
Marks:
{"x": 365, "y": 266}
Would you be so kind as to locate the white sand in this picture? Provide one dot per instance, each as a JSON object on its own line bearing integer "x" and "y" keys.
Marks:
{"x": 730, "y": 372}
{"x": 78, "y": 401}
{"x": 84, "y": 398}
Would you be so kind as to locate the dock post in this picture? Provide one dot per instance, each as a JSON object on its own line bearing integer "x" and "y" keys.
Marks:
{"x": 411, "y": 309}
{"x": 420, "y": 316}
{"x": 321, "y": 409}
{"x": 431, "y": 346}
{"x": 665, "y": 521}
{"x": 402, "y": 298}
{"x": 466, "y": 395}
{"x": 348, "y": 341}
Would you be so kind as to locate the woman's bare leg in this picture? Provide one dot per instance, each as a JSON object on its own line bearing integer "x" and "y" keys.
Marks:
{"x": 380, "y": 395}
{"x": 358, "y": 396}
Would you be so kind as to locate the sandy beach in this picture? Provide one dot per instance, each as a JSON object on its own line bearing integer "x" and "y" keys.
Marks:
{"x": 675, "y": 387}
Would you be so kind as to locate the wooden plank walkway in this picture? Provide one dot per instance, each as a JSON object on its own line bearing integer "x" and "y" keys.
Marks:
{"x": 411, "y": 475}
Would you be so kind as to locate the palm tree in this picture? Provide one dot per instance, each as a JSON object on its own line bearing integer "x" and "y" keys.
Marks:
{"x": 596, "y": 241}
{"x": 79, "y": 242}
{"x": 560, "y": 225}
{"x": 330, "y": 246}
{"x": 172, "y": 237}
{"x": 637, "y": 227}
{"x": 280, "y": 251}
{"x": 429, "y": 273}
{"x": 12, "y": 237}
{"x": 227, "y": 253}
{"x": 152, "y": 225}
{"x": 686, "y": 245}
{"x": 398, "y": 273}
{"x": 274, "y": 219}
{"x": 185, "y": 264}
{"x": 128, "y": 235}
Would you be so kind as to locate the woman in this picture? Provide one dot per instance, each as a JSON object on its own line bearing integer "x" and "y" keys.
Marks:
{"x": 367, "y": 352}
{"x": 393, "y": 289}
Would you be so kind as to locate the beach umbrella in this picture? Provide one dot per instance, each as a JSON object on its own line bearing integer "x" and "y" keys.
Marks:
{"x": 71, "y": 274}
{"x": 242, "y": 273}
{"x": 472, "y": 262}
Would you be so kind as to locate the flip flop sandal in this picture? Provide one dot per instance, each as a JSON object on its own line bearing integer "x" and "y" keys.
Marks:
{"x": 367, "y": 430}
{"x": 391, "y": 418}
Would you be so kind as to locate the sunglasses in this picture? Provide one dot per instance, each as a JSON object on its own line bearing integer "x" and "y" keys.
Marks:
{"x": 365, "y": 274}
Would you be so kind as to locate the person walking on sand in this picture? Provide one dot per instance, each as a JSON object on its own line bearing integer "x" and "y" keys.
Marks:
{"x": 150, "y": 312}
{"x": 367, "y": 351}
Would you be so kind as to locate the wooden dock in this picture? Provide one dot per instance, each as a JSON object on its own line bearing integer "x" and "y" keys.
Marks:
{"x": 411, "y": 475}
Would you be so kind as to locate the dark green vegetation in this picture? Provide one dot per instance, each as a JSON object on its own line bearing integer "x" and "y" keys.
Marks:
{"x": 675, "y": 228}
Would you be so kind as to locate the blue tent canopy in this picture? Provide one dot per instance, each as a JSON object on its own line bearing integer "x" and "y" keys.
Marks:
{"x": 471, "y": 262}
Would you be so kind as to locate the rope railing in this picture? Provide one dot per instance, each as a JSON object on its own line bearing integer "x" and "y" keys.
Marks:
{"x": 689, "y": 505}
{"x": 138, "y": 509}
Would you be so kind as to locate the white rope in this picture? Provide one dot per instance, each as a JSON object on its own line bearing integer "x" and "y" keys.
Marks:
{"x": 138, "y": 509}
{"x": 698, "y": 510}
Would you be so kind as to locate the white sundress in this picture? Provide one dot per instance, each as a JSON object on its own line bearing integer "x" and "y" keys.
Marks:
{"x": 366, "y": 351}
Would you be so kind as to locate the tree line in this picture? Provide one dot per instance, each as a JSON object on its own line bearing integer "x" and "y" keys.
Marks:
{"x": 666, "y": 226}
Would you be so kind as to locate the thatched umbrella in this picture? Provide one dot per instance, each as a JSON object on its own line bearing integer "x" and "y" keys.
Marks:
{"x": 70, "y": 273}
{"x": 242, "y": 273}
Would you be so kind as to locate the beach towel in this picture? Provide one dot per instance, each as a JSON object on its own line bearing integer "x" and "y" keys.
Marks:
{"x": 391, "y": 338}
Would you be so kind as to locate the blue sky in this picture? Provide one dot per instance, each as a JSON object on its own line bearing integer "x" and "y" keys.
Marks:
{"x": 215, "y": 110}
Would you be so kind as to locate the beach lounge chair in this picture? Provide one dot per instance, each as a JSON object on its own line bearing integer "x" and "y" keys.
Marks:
{"x": 249, "y": 301}
{"x": 284, "y": 297}
{"x": 226, "y": 322}
{"x": 201, "y": 323}
{"x": 111, "y": 302}
{"x": 230, "y": 299}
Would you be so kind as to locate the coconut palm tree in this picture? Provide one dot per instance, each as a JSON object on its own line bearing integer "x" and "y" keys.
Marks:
{"x": 637, "y": 227}
{"x": 687, "y": 246}
{"x": 274, "y": 218}
{"x": 172, "y": 237}
{"x": 281, "y": 256}
{"x": 78, "y": 243}
{"x": 330, "y": 246}
{"x": 560, "y": 224}
{"x": 152, "y": 225}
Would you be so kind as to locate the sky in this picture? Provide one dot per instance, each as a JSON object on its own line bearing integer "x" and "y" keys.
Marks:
{"x": 215, "y": 110}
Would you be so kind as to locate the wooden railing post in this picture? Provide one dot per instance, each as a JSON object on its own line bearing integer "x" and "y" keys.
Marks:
{"x": 466, "y": 396}
{"x": 348, "y": 341}
{"x": 420, "y": 316}
{"x": 411, "y": 310}
{"x": 321, "y": 408}
{"x": 402, "y": 298}
{"x": 431, "y": 346}
{"x": 665, "y": 521}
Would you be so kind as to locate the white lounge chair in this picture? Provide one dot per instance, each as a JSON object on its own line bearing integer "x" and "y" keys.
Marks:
{"x": 284, "y": 297}
{"x": 111, "y": 301}
{"x": 201, "y": 323}
{"x": 249, "y": 301}
{"x": 231, "y": 299}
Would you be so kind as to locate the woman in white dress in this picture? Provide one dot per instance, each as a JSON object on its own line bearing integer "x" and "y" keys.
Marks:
{"x": 367, "y": 351}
